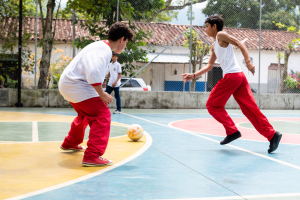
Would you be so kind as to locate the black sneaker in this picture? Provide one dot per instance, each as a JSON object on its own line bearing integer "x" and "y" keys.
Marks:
{"x": 274, "y": 142}
{"x": 230, "y": 138}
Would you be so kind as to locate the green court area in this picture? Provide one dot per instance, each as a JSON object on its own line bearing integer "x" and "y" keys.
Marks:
{"x": 16, "y": 131}
{"x": 284, "y": 126}
{"x": 47, "y": 131}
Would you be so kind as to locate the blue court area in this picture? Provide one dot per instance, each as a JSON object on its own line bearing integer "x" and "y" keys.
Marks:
{"x": 183, "y": 164}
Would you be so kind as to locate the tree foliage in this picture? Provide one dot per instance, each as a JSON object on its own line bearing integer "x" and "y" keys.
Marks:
{"x": 9, "y": 38}
{"x": 292, "y": 46}
{"x": 245, "y": 13}
{"x": 106, "y": 10}
{"x": 199, "y": 50}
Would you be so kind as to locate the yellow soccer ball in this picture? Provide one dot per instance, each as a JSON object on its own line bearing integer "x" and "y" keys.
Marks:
{"x": 135, "y": 132}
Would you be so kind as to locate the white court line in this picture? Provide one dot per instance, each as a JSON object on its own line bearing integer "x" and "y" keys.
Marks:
{"x": 170, "y": 124}
{"x": 35, "y": 136}
{"x": 35, "y": 132}
{"x": 295, "y": 122}
{"x": 240, "y": 126}
{"x": 135, "y": 155}
{"x": 207, "y": 138}
{"x": 244, "y": 197}
{"x": 12, "y": 142}
{"x": 237, "y": 114}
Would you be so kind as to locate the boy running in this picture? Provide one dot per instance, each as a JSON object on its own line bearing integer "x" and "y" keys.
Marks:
{"x": 81, "y": 85}
{"x": 233, "y": 83}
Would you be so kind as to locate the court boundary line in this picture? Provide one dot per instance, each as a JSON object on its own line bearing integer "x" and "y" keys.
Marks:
{"x": 35, "y": 132}
{"x": 11, "y": 142}
{"x": 147, "y": 145}
{"x": 239, "y": 125}
{"x": 170, "y": 124}
{"x": 232, "y": 146}
{"x": 35, "y": 138}
{"x": 247, "y": 197}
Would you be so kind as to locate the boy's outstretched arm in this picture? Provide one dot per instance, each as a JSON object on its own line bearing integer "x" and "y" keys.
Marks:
{"x": 232, "y": 40}
{"x": 190, "y": 76}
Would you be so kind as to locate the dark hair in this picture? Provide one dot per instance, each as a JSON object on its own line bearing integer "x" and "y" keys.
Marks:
{"x": 119, "y": 30}
{"x": 216, "y": 19}
{"x": 115, "y": 54}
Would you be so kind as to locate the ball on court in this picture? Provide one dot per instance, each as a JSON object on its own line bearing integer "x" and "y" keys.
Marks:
{"x": 135, "y": 132}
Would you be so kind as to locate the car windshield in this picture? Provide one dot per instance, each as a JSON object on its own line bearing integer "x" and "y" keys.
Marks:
{"x": 131, "y": 83}
{"x": 127, "y": 84}
{"x": 134, "y": 83}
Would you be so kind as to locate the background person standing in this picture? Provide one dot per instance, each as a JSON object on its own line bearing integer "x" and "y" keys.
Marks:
{"x": 114, "y": 76}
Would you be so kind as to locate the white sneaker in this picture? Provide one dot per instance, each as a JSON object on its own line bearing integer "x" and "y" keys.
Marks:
{"x": 117, "y": 112}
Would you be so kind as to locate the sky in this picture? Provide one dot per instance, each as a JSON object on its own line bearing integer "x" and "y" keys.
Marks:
{"x": 182, "y": 18}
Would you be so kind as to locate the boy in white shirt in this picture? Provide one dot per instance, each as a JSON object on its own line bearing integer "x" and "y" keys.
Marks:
{"x": 233, "y": 83}
{"x": 114, "y": 76}
{"x": 81, "y": 85}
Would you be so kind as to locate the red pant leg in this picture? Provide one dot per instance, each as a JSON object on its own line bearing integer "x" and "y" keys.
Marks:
{"x": 218, "y": 98}
{"x": 244, "y": 97}
{"x": 98, "y": 117}
{"x": 78, "y": 126}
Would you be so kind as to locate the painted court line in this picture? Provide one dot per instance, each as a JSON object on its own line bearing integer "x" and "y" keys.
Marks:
{"x": 12, "y": 142}
{"x": 268, "y": 196}
{"x": 237, "y": 114}
{"x": 207, "y": 138}
{"x": 35, "y": 132}
{"x": 135, "y": 155}
{"x": 238, "y": 125}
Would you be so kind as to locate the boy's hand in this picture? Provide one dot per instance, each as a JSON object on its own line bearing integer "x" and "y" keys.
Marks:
{"x": 187, "y": 77}
{"x": 251, "y": 67}
{"x": 114, "y": 84}
{"x": 104, "y": 85}
{"x": 106, "y": 98}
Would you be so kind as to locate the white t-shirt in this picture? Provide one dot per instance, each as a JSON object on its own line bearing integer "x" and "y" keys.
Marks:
{"x": 88, "y": 67}
{"x": 114, "y": 70}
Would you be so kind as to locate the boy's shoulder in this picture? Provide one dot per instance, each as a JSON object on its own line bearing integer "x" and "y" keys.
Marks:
{"x": 221, "y": 34}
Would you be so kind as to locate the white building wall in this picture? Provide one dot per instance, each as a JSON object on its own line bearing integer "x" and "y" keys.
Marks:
{"x": 267, "y": 57}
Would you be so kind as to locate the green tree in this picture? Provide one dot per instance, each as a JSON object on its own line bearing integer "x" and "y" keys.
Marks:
{"x": 9, "y": 35}
{"x": 129, "y": 10}
{"x": 199, "y": 50}
{"x": 245, "y": 13}
{"x": 291, "y": 47}
{"x": 47, "y": 41}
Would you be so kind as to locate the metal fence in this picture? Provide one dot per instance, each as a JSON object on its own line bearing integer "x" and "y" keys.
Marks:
{"x": 175, "y": 46}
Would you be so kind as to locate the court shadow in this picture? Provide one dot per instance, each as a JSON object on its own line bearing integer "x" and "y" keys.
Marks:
{"x": 231, "y": 152}
{"x": 70, "y": 152}
{"x": 134, "y": 141}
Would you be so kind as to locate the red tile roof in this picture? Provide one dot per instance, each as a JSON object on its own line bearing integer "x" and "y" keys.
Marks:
{"x": 164, "y": 34}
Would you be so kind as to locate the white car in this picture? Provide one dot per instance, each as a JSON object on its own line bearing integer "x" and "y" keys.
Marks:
{"x": 135, "y": 84}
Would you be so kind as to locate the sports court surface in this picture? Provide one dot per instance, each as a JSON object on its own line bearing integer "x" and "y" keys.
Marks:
{"x": 179, "y": 157}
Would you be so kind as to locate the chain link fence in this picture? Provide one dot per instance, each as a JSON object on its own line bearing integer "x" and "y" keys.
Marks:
{"x": 171, "y": 40}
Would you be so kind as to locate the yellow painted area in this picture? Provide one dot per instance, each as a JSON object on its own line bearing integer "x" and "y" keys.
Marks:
{"x": 27, "y": 167}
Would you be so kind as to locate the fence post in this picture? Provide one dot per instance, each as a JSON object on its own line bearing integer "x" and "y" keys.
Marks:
{"x": 259, "y": 53}
{"x": 191, "y": 38}
{"x": 19, "y": 104}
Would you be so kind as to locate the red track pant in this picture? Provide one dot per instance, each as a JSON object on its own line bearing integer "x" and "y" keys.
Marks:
{"x": 237, "y": 85}
{"x": 95, "y": 113}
